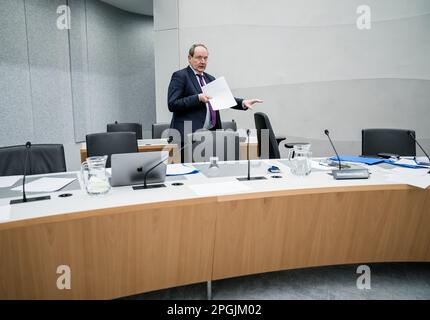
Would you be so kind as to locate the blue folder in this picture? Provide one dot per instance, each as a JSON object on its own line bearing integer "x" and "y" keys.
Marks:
{"x": 369, "y": 161}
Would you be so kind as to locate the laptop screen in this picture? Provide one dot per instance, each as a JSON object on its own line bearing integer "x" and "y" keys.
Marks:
{"x": 130, "y": 168}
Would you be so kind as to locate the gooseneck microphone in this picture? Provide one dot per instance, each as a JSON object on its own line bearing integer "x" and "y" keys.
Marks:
{"x": 248, "y": 177}
{"x": 27, "y": 151}
{"x": 24, "y": 196}
{"x": 346, "y": 173}
{"x": 145, "y": 186}
{"x": 411, "y": 134}
{"x": 327, "y": 133}
{"x": 247, "y": 155}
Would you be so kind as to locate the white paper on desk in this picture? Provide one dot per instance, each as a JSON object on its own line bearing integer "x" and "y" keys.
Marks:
{"x": 212, "y": 189}
{"x": 221, "y": 95}
{"x": 45, "y": 184}
{"x": 179, "y": 169}
{"x": 8, "y": 181}
{"x": 422, "y": 161}
{"x": 317, "y": 165}
{"x": 4, "y": 213}
{"x": 420, "y": 181}
{"x": 409, "y": 162}
{"x": 150, "y": 142}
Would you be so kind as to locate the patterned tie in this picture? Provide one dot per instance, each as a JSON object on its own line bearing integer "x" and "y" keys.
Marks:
{"x": 212, "y": 111}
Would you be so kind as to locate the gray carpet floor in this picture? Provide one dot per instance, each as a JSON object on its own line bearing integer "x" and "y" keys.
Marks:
{"x": 409, "y": 281}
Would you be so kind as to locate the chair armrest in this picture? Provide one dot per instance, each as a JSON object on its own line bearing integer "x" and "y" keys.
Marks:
{"x": 279, "y": 139}
{"x": 292, "y": 144}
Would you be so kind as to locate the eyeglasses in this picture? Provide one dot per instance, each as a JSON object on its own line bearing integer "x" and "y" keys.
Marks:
{"x": 201, "y": 58}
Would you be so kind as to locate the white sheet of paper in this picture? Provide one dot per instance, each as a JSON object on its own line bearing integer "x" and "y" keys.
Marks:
{"x": 211, "y": 189}
{"x": 317, "y": 165}
{"x": 420, "y": 181}
{"x": 178, "y": 169}
{"x": 146, "y": 142}
{"x": 8, "y": 181}
{"x": 4, "y": 213}
{"x": 45, "y": 184}
{"x": 222, "y": 98}
{"x": 423, "y": 161}
{"x": 409, "y": 162}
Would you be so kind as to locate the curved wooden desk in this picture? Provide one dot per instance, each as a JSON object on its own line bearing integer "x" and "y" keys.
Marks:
{"x": 138, "y": 248}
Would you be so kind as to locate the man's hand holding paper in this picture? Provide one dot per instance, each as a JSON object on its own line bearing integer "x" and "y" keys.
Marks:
{"x": 222, "y": 98}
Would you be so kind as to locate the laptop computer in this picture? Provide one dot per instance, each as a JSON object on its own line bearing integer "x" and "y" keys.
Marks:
{"x": 130, "y": 168}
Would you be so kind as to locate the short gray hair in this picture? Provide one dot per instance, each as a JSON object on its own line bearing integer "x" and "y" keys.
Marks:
{"x": 194, "y": 46}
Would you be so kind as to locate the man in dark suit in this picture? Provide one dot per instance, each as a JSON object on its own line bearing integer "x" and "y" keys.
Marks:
{"x": 191, "y": 108}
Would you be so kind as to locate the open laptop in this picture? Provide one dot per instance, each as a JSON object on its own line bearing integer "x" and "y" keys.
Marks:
{"x": 130, "y": 168}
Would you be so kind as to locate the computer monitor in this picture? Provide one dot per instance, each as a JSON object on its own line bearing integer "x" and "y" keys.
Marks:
{"x": 130, "y": 168}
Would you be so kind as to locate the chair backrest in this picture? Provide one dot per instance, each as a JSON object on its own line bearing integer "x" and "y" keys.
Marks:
{"x": 229, "y": 125}
{"x": 396, "y": 141}
{"x": 126, "y": 127}
{"x": 262, "y": 122}
{"x": 159, "y": 128}
{"x": 108, "y": 143}
{"x": 42, "y": 158}
{"x": 205, "y": 144}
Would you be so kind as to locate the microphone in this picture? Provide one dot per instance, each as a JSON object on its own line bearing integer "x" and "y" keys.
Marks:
{"x": 145, "y": 185}
{"x": 411, "y": 134}
{"x": 24, "y": 196}
{"x": 327, "y": 133}
{"x": 248, "y": 178}
{"x": 247, "y": 155}
{"x": 346, "y": 173}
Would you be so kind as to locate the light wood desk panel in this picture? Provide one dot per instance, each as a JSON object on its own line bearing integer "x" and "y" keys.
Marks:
{"x": 133, "y": 249}
{"x": 111, "y": 253}
{"x": 293, "y": 230}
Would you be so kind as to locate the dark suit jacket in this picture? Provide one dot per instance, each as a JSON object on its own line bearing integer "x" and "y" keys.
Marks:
{"x": 184, "y": 102}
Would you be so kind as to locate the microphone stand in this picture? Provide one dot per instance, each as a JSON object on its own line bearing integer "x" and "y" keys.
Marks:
{"x": 249, "y": 178}
{"x": 161, "y": 185}
{"x": 346, "y": 173}
{"x": 422, "y": 149}
{"x": 24, "y": 196}
{"x": 327, "y": 133}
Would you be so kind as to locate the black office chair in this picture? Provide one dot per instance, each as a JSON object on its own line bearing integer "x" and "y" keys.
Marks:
{"x": 159, "y": 130}
{"x": 375, "y": 142}
{"x": 108, "y": 143}
{"x": 126, "y": 127}
{"x": 262, "y": 122}
{"x": 220, "y": 143}
{"x": 229, "y": 125}
{"x": 42, "y": 158}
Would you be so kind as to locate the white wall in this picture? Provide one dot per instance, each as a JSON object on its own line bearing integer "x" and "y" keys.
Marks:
{"x": 308, "y": 61}
{"x": 56, "y": 86}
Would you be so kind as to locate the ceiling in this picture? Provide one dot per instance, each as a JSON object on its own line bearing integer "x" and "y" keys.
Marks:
{"x": 137, "y": 6}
